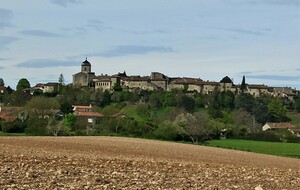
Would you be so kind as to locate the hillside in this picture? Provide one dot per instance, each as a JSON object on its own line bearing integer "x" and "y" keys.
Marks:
{"x": 118, "y": 163}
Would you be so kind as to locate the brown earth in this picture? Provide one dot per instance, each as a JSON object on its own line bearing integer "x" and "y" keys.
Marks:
{"x": 126, "y": 163}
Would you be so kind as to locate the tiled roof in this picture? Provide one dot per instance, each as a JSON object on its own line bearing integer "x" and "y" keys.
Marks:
{"x": 282, "y": 125}
{"x": 88, "y": 114}
{"x": 102, "y": 78}
{"x": 258, "y": 86}
{"x": 137, "y": 78}
{"x": 40, "y": 85}
{"x": 86, "y": 63}
{"x": 82, "y": 107}
{"x": 186, "y": 80}
{"x": 211, "y": 83}
{"x": 9, "y": 113}
{"x": 52, "y": 84}
{"x": 226, "y": 80}
{"x": 161, "y": 79}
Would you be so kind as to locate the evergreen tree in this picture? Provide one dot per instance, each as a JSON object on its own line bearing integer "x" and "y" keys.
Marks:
{"x": 243, "y": 85}
{"x": 61, "y": 79}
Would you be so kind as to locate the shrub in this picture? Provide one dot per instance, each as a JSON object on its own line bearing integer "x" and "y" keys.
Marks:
{"x": 167, "y": 131}
{"x": 264, "y": 136}
{"x": 36, "y": 126}
{"x": 13, "y": 127}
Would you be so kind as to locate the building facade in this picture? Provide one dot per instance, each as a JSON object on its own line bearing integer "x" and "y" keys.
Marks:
{"x": 85, "y": 77}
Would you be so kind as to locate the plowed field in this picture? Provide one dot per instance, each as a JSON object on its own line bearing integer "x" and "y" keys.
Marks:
{"x": 125, "y": 163}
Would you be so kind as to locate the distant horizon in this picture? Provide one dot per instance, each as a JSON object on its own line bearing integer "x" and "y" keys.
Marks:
{"x": 260, "y": 39}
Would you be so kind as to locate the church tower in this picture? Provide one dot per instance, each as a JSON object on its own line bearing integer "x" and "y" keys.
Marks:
{"x": 86, "y": 67}
{"x": 86, "y": 76}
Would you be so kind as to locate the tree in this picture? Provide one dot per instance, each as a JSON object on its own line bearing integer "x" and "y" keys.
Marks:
{"x": 36, "y": 126}
{"x": 155, "y": 100}
{"x": 277, "y": 110}
{"x": 66, "y": 108}
{"x": 228, "y": 100}
{"x": 19, "y": 98}
{"x": 297, "y": 105}
{"x": 187, "y": 102}
{"x": 185, "y": 87}
{"x": 169, "y": 99}
{"x": 199, "y": 100}
{"x": 55, "y": 126}
{"x": 196, "y": 126}
{"x": 245, "y": 101}
{"x": 117, "y": 87}
{"x": 167, "y": 131}
{"x": 244, "y": 120}
{"x": 215, "y": 105}
{"x": 42, "y": 106}
{"x": 61, "y": 79}
{"x": 105, "y": 99}
{"x": 9, "y": 90}
{"x": 70, "y": 120}
{"x": 22, "y": 84}
{"x": 243, "y": 85}
{"x": 260, "y": 110}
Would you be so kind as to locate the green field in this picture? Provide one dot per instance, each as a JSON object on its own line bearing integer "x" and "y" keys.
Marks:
{"x": 273, "y": 148}
{"x": 295, "y": 117}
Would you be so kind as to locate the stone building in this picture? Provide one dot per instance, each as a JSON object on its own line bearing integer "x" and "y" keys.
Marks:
{"x": 51, "y": 87}
{"x": 226, "y": 84}
{"x": 159, "y": 80}
{"x": 85, "y": 77}
{"x": 138, "y": 83}
{"x": 103, "y": 82}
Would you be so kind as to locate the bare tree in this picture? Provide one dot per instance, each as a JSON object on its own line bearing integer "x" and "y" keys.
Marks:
{"x": 196, "y": 126}
{"x": 54, "y": 126}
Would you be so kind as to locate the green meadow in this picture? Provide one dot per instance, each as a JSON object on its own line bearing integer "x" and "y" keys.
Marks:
{"x": 272, "y": 148}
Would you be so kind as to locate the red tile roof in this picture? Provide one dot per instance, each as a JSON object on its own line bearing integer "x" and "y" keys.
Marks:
{"x": 9, "y": 113}
{"x": 186, "y": 80}
{"x": 137, "y": 78}
{"x": 258, "y": 86}
{"x": 82, "y": 107}
{"x": 88, "y": 114}
{"x": 282, "y": 125}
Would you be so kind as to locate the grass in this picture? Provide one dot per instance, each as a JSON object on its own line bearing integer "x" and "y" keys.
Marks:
{"x": 295, "y": 117}
{"x": 272, "y": 148}
{"x": 12, "y": 134}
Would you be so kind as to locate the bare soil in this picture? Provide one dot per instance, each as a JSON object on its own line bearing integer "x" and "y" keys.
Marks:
{"x": 127, "y": 163}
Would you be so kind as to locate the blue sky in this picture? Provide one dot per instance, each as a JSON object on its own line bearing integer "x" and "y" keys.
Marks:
{"x": 207, "y": 39}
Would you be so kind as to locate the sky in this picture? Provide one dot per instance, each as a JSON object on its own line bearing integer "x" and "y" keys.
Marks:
{"x": 207, "y": 39}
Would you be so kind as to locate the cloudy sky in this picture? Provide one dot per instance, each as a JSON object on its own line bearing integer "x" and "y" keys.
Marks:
{"x": 207, "y": 39}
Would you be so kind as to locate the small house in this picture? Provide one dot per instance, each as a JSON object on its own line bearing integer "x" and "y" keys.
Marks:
{"x": 87, "y": 114}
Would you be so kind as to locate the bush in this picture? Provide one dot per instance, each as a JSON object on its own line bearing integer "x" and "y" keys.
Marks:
{"x": 166, "y": 131}
{"x": 274, "y": 136}
{"x": 36, "y": 126}
{"x": 264, "y": 136}
{"x": 13, "y": 127}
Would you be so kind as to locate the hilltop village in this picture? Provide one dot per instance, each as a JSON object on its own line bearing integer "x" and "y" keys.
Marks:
{"x": 159, "y": 81}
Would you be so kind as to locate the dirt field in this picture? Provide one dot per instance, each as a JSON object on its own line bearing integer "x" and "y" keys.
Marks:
{"x": 124, "y": 163}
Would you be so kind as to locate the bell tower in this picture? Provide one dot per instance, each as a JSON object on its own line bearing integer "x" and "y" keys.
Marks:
{"x": 86, "y": 66}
